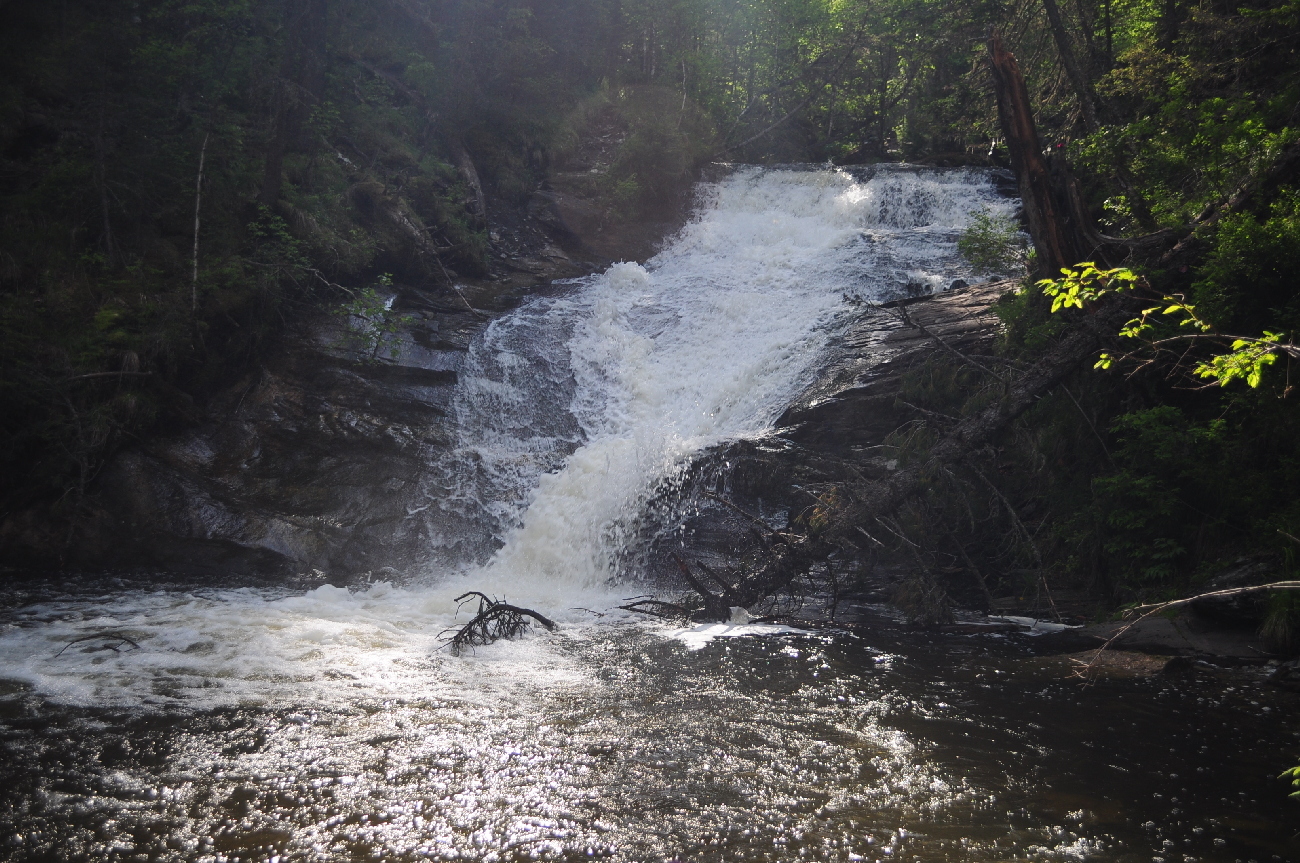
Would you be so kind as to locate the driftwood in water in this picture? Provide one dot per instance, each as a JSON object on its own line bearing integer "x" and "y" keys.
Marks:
{"x": 493, "y": 621}
{"x": 658, "y": 608}
{"x": 102, "y": 636}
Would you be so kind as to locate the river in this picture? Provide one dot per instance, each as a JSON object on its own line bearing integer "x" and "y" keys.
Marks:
{"x": 224, "y": 722}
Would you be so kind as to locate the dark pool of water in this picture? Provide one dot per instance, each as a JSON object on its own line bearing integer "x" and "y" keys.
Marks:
{"x": 879, "y": 745}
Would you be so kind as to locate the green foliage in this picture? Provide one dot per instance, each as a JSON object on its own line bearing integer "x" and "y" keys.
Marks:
{"x": 992, "y": 243}
{"x": 106, "y": 329}
{"x": 372, "y": 323}
{"x": 1246, "y": 361}
{"x": 1281, "y": 628}
{"x": 1198, "y": 99}
{"x": 1294, "y": 775}
{"x": 1161, "y": 458}
{"x": 1087, "y": 284}
{"x": 1247, "y": 280}
{"x": 1245, "y": 358}
{"x": 1028, "y": 327}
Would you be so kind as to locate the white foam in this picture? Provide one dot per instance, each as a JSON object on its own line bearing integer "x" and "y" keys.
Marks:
{"x": 709, "y": 342}
{"x": 572, "y": 412}
{"x": 696, "y": 637}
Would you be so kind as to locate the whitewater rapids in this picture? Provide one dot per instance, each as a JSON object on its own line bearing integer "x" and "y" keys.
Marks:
{"x": 571, "y": 411}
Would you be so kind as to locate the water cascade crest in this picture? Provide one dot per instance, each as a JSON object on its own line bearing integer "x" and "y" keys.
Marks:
{"x": 572, "y": 410}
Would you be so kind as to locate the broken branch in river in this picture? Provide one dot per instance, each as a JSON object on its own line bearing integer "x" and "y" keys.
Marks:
{"x": 494, "y": 620}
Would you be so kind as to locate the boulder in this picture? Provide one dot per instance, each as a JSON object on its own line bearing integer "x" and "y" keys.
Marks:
{"x": 1243, "y": 609}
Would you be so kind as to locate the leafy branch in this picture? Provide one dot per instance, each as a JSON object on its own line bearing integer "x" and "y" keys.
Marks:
{"x": 373, "y": 325}
{"x": 1243, "y": 357}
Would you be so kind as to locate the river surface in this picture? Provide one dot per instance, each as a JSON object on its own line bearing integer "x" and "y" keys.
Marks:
{"x": 145, "y": 718}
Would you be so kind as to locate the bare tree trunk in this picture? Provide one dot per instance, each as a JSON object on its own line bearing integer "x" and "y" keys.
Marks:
{"x": 198, "y": 202}
{"x": 1055, "y": 250}
{"x": 1110, "y": 34}
{"x": 1171, "y": 18}
{"x": 302, "y": 71}
{"x": 101, "y": 182}
{"x": 469, "y": 173}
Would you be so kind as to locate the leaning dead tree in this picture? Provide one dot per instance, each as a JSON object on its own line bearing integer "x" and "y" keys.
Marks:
{"x": 494, "y": 620}
{"x": 1062, "y": 229}
{"x": 1053, "y": 244}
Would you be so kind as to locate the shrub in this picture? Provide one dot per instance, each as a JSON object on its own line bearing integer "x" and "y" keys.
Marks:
{"x": 993, "y": 244}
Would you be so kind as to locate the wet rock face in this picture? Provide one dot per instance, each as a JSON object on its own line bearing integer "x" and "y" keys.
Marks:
{"x": 323, "y": 458}
{"x": 313, "y": 461}
{"x": 836, "y": 425}
{"x": 854, "y": 403}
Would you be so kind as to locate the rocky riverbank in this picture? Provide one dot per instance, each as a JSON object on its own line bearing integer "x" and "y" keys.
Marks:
{"x": 319, "y": 459}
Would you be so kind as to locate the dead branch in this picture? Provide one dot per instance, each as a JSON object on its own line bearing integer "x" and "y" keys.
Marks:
{"x": 716, "y": 607}
{"x": 105, "y": 636}
{"x": 1090, "y": 423}
{"x": 494, "y": 620}
{"x": 813, "y": 93}
{"x": 109, "y": 375}
{"x": 927, "y": 412}
{"x": 1156, "y": 608}
{"x": 1024, "y": 531}
{"x": 749, "y": 515}
{"x": 658, "y": 608}
{"x": 907, "y": 321}
{"x": 970, "y": 564}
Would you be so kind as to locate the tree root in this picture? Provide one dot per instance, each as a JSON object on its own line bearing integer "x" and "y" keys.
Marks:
{"x": 494, "y": 620}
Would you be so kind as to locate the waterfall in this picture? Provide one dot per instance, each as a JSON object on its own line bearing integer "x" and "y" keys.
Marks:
{"x": 572, "y": 409}
{"x": 577, "y": 405}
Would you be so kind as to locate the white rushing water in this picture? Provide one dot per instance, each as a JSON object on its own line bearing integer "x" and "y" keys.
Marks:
{"x": 571, "y": 411}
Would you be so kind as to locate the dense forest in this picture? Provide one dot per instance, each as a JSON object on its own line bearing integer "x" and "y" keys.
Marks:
{"x": 179, "y": 178}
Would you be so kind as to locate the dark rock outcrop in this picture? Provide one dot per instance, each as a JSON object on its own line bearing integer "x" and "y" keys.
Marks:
{"x": 312, "y": 461}
{"x": 1247, "y": 608}
{"x": 831, "y": 435}
{"x": 321, "y": 458}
